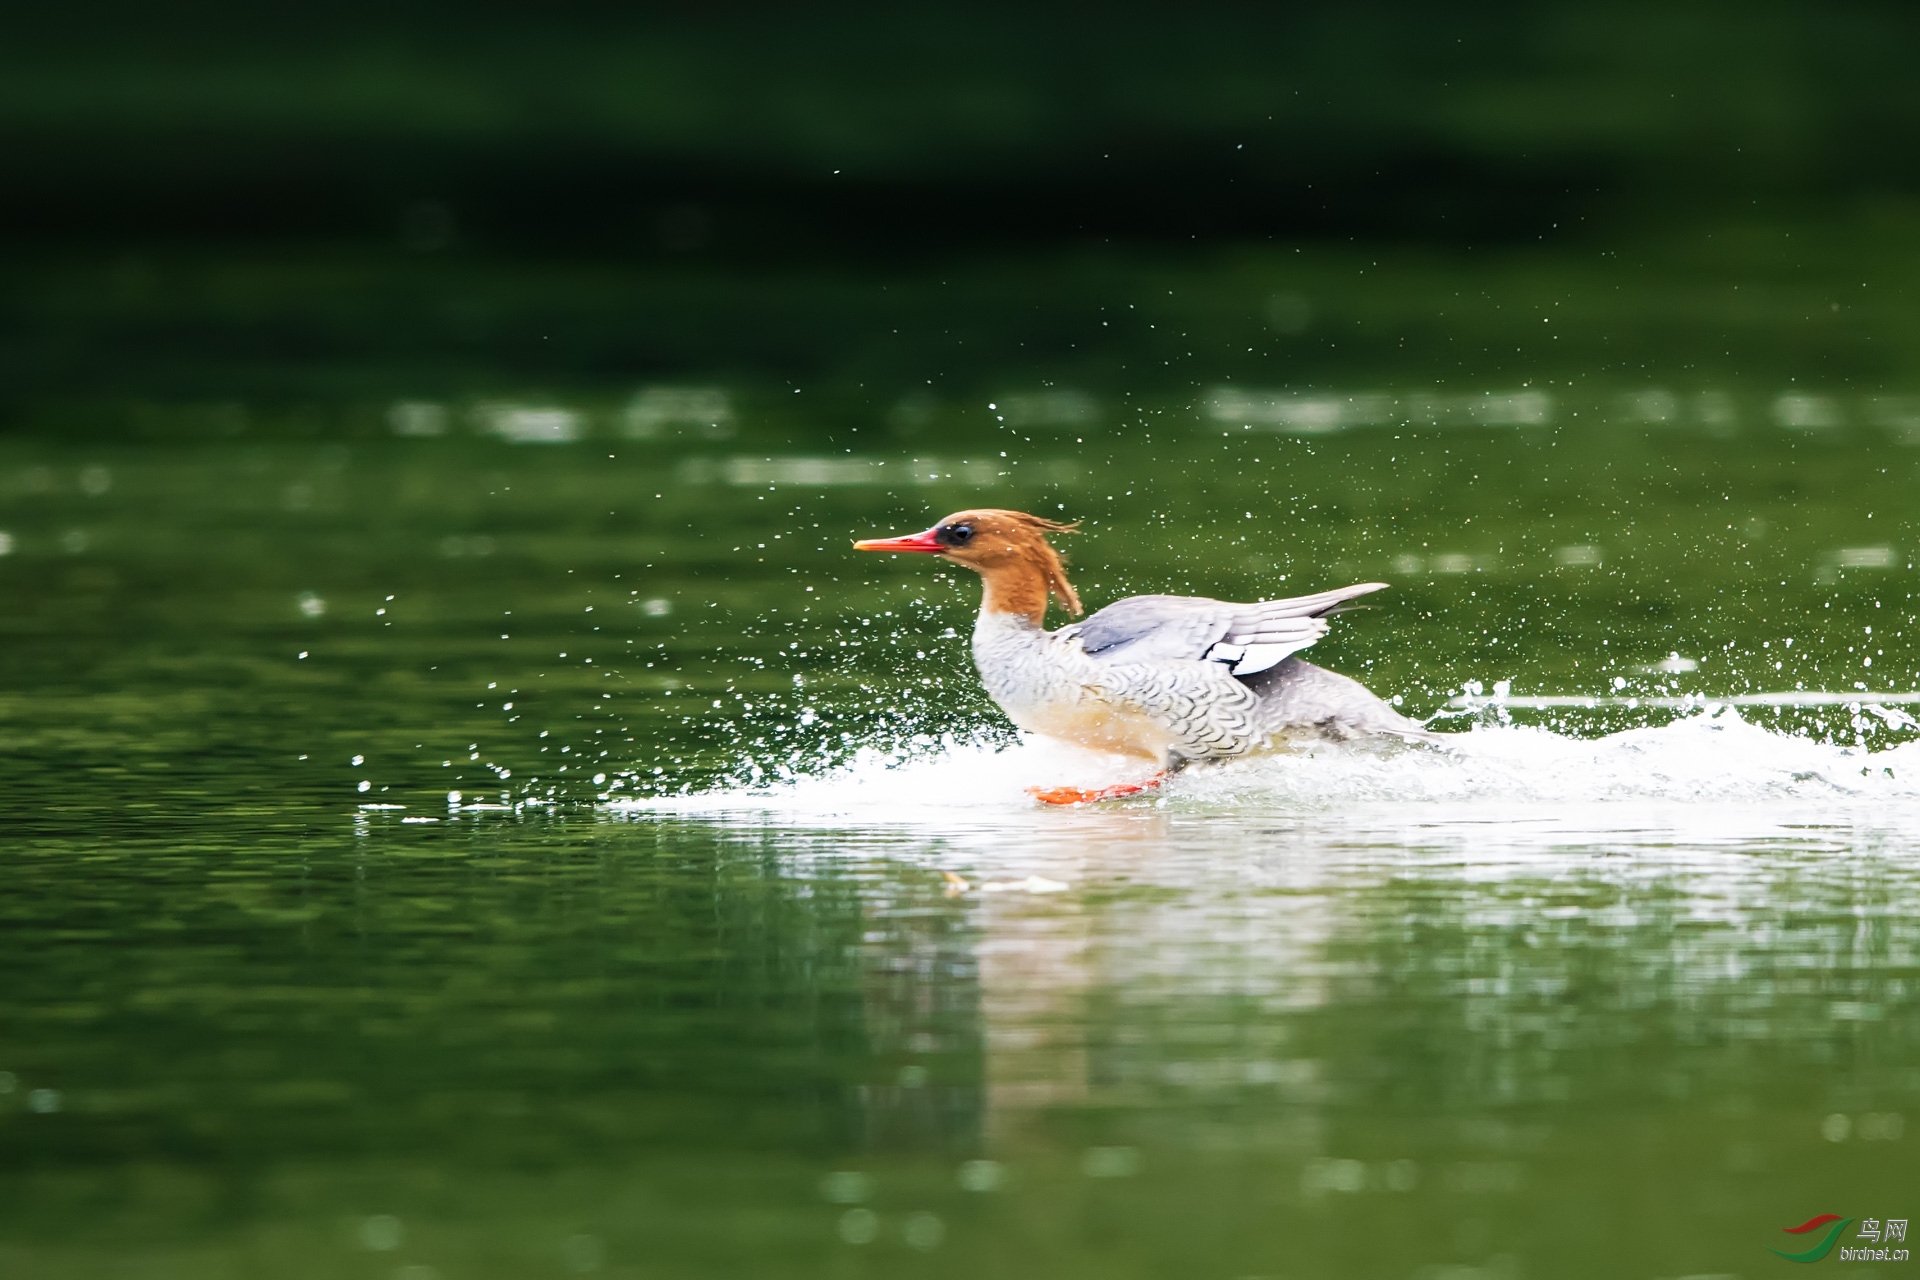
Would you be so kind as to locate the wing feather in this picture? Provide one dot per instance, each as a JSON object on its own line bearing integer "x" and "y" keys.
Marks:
{"x": 1248, "y": 638}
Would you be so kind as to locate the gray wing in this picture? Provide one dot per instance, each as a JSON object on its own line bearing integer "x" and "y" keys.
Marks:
{"x": 1246, "y": 637}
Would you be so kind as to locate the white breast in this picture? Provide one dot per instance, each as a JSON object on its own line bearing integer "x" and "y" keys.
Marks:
{"x": 1027, "y": 671}
{"x": 1046, "y": 684}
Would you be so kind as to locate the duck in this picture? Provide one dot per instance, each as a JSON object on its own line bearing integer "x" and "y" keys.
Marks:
{"x": 1178, "y": 680}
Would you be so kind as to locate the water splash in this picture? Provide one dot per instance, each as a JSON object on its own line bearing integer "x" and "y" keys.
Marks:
{"x": 1714, "y": 757}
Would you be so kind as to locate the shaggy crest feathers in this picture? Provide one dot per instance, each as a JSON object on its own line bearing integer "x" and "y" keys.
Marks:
{"x": 1051, "y": 563}
{"x": 1002, "y": 536}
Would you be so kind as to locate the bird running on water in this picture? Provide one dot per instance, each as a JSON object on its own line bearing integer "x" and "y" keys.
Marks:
{"x": 1175, "y": 679}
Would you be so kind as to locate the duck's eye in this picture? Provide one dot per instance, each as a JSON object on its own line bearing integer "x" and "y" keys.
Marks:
{"x": 959, "y": 534}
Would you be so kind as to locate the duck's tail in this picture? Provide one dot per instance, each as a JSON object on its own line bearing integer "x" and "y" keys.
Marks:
{"x": 1296, "y": 695}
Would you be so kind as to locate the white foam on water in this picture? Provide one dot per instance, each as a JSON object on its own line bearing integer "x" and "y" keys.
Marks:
{"x": 1714, "y": 759}
{"x": 944, "y": 782}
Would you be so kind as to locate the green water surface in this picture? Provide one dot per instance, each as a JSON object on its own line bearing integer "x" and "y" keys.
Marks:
{"x": 277, "y": 1002}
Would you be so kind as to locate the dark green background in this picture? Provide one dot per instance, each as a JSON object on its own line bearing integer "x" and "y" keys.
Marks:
{"x": 299, "y": 205}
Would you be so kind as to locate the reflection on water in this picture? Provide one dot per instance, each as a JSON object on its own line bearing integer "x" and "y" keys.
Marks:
{"x": 708, "y": 413}
{"x": 1313, "y": 415}
{"x": 433, "y": 857}
{"x": 821, "y": 473}
{"x": 1351, "y": 1039}
{"x": 1482, "y": 1025}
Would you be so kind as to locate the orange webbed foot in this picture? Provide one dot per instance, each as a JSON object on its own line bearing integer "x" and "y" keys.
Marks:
{"x": 1084, "y": 795}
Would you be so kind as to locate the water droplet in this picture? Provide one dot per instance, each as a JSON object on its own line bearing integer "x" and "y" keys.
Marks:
{"x": 1110, "y": 1162}
{"x": 924, "y": 1231}
{"x": 859, "y": 1226}
{"x": 582, "y": 1253}
{"x": 982, "y": 1175}
{"x": 382, "y": 1233}
{"x": 847, "y": 1187}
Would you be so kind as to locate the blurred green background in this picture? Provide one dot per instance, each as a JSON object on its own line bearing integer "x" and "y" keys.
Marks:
{"x": 300, "y": 207}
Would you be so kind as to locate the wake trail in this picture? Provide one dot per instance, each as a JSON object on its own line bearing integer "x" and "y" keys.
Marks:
{"x": 1714, "y": 757}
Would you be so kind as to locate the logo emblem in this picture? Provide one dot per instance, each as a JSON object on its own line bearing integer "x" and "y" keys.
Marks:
{"x": 1823, "y": 1231}
{"x": 1821, "y": 1247}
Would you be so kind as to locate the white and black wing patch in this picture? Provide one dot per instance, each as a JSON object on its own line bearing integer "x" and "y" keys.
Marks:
{"x": 1246, "y": 638}
{"x": 1254, "y": 652}
{"x": 1266, "y": 632}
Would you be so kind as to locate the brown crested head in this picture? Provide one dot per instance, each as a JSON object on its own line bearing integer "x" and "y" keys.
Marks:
{"x": 1007, "y": 548}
